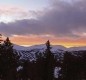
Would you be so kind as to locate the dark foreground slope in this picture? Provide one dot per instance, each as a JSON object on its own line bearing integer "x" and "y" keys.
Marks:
{"x": 69, "y": 64}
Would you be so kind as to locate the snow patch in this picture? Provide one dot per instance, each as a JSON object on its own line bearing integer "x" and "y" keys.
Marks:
{"x": 56, "y": 72}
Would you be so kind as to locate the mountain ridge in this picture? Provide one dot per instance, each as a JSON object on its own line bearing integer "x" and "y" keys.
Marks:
{"x": 54, "y": 47}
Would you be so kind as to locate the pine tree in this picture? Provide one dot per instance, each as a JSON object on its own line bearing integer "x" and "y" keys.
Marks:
{"x": 49, "y": 62}
{"x": 9, "y": 60}
{"x": 72, "y": 67}
{"x": 40, "y": 65}
{"x": 25, "y": 70}
{"x": 1, "y": 51}
{"x": 0, "y": 38}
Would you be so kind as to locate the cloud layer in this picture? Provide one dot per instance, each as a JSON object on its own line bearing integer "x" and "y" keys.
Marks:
{"x": 61, "y": 19}
{"x": 12, "y": 13}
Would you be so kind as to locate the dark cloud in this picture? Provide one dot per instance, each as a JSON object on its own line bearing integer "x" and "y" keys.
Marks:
{"x": 61, "y": 19}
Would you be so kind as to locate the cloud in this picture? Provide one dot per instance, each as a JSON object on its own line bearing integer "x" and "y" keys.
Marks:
{"x": 60, "y": 19}
{"x": 15, "y": 13}
{"x": 41, "y": 39}
{"x": 65, "y": 19}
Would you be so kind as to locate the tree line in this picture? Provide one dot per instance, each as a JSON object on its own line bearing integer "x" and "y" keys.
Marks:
{"x": 12, "y": 68}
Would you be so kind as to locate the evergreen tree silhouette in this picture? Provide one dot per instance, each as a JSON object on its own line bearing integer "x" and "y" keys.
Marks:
{"x": 1, "y": 39}
{"x": 1, "y": 52}
{"x": 72, "y": 69}
{"x": 49, "y": 62}
{"x": 9, "y": 61}
{"x": 40, "y": 66}
{"x": 25, "y": 70}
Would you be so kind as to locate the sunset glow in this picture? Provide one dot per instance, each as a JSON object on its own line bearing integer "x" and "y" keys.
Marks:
{"x": 35, "y": 40}
{"x": 31, "y": 22}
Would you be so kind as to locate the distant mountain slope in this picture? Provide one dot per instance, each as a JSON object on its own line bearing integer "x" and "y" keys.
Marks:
{"x": 30, "y": 52}
{"x": 58, "y": 51}
{"x": 18, "y": 47}
{"x": 42, "y": 46}
{"x": 77, "y": 48}
{"x": 54, "y": 47}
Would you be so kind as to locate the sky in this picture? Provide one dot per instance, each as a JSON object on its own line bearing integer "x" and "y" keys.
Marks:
{"x": 32, "y": 22}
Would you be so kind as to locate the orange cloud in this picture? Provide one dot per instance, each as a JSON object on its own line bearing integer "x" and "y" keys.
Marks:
{"x": 41, "y": 39}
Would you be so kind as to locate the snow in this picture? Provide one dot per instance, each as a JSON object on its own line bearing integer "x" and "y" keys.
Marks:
{"x": 77, "y": 48}
{"x": 54, "y": 47}
{"x": 19, "y": 68}
{"x": 29, "y": 53}
{"x": 18, "y": 47}
{"x": 56, "y": 72}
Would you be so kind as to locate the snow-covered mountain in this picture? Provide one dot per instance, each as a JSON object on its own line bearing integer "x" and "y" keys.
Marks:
{"x": 77, "y": 48}
{"x": 31, "y": 51}
{"x": 42, "y": 46}
{"x": 53, "y": 47}
{"x": 18, "y": 47}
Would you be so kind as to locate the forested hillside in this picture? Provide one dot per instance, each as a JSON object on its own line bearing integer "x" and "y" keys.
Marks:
{"x": 44, "y": 64}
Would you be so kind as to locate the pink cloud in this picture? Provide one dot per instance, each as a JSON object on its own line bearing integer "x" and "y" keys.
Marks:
{"x": 16, "y": 13}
